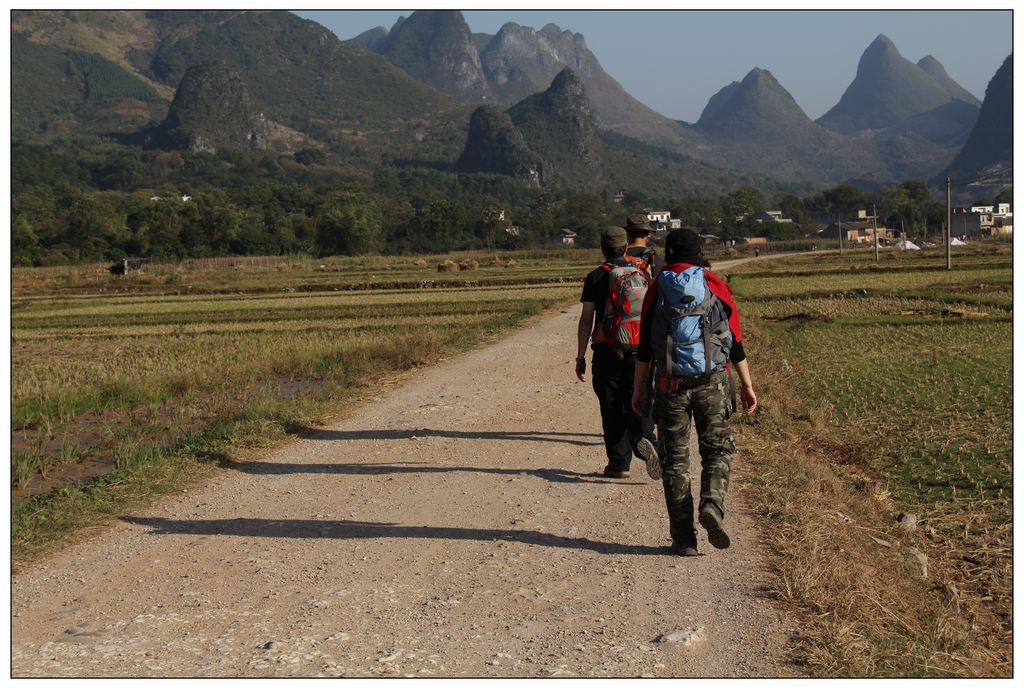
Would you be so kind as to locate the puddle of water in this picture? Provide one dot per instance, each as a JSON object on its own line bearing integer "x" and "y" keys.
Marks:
{"x": 64, "y": 474}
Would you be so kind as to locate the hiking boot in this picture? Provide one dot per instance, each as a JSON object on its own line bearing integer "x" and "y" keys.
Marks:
{"x": 645, "y": 450}
{"x": 682, "y": 550}
{"x": 610, "y": 472}
{"x": 711, "y": 520}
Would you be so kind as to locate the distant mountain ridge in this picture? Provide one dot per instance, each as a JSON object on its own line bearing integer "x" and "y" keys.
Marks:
{"x": 549, "y": 138}
{"x": 987, "y": 156}
{"x": 299, "y": 74}
{"x": 889, "y": 89}
{"x": 918, "y": 115}
{"x": 757, "y": 116}
{"x": 115, "y": 72}
{"x": 933, "y": 67}
{"x": 514, "y": 63}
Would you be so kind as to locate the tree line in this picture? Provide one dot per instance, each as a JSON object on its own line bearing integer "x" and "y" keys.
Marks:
{"x": 77, "y": 199}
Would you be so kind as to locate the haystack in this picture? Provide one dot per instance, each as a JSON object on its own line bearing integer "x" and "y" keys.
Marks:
{"x": 469, "y": 264}
{"x": 448, "y": 266}
{"x": 511, "y": 263}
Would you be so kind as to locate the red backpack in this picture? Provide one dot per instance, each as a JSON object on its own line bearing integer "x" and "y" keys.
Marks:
{"x": 627, "y": 287}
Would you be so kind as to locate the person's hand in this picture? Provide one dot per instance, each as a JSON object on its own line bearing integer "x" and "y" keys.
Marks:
{"x": 581, "y": 367}
{"x": 749, "y": 399}
{"x": 639, "y": 400}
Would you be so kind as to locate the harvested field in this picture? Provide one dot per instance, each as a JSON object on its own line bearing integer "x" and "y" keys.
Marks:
{"x": 886, "y": 392}
{"x": 104, "y": 381}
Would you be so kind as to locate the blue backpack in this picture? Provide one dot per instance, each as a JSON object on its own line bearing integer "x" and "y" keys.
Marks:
{"x": 690, "y": 332}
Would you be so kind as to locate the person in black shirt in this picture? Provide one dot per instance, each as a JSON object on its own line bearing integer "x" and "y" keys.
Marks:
{"x": 638, "y": 229}
{"x": 624, "y": 432}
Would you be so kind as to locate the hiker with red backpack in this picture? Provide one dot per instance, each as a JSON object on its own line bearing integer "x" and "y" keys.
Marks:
{"x": 690, "y": 332}
{"x": 639, "y": 229}
{"x": 612, "y": 300}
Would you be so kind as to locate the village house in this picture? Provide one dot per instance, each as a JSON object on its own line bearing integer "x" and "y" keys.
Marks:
{"x": 968, "y": 222}
{"x": 770, "y": 216}
{"x": 999, "y": 224}
{"x": 567, "y": 236}
{"x": 659, "y": 219}
{"x": 821, "y": 217}
{"x": 860, "y": 232}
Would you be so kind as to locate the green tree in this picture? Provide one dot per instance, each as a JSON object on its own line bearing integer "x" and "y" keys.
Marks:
{"x": 743, "y": 201}
{"x": 844, "y": 198}
{"x": 348, "y": 225}
{"x": 310, "y": 156}
{"x": 25, "y": 247}
{"x": 702, "y": 213}
{"x": 917, "y": 190}
{"x": 791, "y": 207}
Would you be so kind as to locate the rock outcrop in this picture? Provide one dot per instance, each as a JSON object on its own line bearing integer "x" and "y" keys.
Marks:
{"x": 212, "y": 109}
{"x": 496, "y": 145}
{"x": 437, "y": 47}
{"x": 546, "y": 138}
{"x": 987, "y": 156}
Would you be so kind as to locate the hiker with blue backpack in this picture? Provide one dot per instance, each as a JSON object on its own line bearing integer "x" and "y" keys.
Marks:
{"x": 613, "y": 296}
{"x": 689, "y": 333}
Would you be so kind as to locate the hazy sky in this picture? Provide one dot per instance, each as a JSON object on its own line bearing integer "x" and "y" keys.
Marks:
{"x": 674, "y": 61}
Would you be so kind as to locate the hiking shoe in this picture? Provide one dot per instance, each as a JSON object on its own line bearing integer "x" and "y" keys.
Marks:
{"x": 684, "y": 550}
{"x": 645, "y": 450}
{"x": 610, "y": 472}
{"x": 711, "y": 520}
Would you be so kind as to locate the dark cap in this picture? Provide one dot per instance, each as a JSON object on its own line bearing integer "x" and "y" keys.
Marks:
{"x": 613, "y": 237}
{"x": 684, "y": 246}
{"x": 636, "y": 224}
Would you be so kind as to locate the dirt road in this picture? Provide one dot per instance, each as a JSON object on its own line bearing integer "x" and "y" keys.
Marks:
{"x": 457, "y": 526}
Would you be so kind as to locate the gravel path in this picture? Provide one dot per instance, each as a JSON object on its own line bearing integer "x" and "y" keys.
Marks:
{"x": 456, "y": 526}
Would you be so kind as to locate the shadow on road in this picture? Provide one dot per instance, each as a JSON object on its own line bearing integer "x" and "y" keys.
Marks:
{"x": 555, "y": 475}
{"x": 333, "y": 435}
{"x": 361, "y": 530}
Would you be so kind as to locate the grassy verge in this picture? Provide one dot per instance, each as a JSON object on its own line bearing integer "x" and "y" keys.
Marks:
{"x": 143, "y": 393}
{"x": 885, "y": 392}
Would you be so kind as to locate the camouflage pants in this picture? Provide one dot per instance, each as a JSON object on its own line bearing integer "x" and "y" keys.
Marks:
{"x": 708, "y": 405}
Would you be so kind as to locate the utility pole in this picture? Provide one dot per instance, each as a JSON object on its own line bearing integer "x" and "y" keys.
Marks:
{"x": 874, "y": 228}
{"x": 839, "y": 221}
{"x": 949, "y": 222}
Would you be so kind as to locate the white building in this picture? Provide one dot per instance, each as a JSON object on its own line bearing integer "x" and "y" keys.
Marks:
{"x": 659, "y": 218}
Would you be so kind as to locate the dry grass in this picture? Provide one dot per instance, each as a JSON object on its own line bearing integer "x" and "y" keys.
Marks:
{"x": 865, "y": 608}
{"x": 851, "y": 435}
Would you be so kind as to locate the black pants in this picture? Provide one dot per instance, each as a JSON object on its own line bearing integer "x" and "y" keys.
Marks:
{"x": 613, "y": 384}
